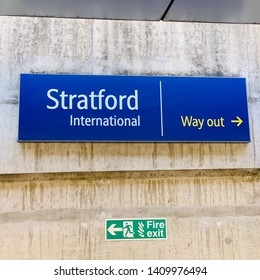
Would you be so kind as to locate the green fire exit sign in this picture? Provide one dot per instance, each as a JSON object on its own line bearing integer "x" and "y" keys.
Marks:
{"x": 136, "y": 229}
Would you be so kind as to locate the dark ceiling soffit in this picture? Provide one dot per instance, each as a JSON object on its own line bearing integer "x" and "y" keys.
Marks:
{"x": 150, "y": 10}
{"x": 212, "y": 11}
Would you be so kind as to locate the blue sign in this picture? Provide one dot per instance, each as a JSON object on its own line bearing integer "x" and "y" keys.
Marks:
{"x": 83, "y": 108}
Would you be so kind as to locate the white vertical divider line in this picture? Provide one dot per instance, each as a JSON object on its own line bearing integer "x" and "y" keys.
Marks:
{"x": 161, "y": 109}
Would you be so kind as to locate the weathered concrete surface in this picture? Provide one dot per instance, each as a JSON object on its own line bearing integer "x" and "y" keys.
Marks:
{"x": 212, "y": 205}
{"x": 210, "y": 214}
{"x": 46, "y": 45}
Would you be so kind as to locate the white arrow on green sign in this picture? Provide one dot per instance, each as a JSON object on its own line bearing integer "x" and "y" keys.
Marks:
{"x": 135, "y": 229}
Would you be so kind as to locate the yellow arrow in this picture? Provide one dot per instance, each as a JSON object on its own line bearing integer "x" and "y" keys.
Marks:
{"x": 238, "y": 121}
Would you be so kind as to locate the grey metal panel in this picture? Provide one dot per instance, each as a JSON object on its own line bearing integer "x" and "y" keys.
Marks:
{"x": 232, "y": 11}
{"x": 98, "y": 9}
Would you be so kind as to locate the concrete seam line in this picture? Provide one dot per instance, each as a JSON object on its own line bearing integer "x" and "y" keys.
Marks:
{"x": 130, "y": 175}
{"x": 92, "y": 214}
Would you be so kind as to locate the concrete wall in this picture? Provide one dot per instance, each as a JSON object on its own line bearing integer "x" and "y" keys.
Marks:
{"x": 55, "y": 197}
